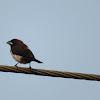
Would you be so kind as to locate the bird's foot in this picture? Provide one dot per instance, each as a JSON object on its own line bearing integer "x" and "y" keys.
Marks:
{"x": 16, "y": 65}
{"x": 30, "y": 67}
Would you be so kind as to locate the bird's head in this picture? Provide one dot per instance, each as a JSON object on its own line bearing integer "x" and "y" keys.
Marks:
{"x": 14, "y": 42}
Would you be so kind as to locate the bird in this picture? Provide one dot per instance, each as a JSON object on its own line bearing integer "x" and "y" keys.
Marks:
{"x": 21, "y": 52}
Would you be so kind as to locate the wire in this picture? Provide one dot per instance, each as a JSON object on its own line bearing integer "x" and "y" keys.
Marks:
{"x": 51, "y": 73}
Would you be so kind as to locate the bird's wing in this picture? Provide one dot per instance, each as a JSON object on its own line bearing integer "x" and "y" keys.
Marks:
{"x": 25, "y": 52}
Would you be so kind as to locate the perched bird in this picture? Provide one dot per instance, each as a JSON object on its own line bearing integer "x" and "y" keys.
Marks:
{"x": 21, "y": 52}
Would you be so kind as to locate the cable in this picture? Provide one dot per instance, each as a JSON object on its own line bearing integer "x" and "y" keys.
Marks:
{"x": 51, "y": 73}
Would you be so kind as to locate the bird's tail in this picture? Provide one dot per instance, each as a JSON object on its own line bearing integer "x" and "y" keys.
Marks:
{"x": 38, "y": 61}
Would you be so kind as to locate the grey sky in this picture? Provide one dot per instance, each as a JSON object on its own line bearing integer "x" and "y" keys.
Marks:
{"x": 64, "y": 34}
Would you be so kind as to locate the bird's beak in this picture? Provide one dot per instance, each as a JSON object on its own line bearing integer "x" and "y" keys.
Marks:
{"x": 10, "y": 43}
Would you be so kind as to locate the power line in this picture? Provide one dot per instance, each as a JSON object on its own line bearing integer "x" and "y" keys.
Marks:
{"x": 51, "y": 73}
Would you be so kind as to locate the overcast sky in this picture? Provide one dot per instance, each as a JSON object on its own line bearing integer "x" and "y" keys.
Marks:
{"x": 64, "y": 35}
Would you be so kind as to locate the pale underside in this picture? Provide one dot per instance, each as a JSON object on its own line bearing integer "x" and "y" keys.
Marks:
{"x": 17, "y": 58}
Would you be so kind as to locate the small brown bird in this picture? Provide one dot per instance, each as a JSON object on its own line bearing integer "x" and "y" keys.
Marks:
{"x": 21, "y": 52}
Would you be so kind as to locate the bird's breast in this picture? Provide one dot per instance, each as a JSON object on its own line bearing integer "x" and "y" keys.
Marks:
{"x": 16, "y": 57}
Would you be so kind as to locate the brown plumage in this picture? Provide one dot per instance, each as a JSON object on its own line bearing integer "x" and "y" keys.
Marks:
{"x": 21, "y": 53}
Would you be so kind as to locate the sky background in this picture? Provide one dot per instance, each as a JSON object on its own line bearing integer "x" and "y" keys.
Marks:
{"x": 64, "y": 34}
